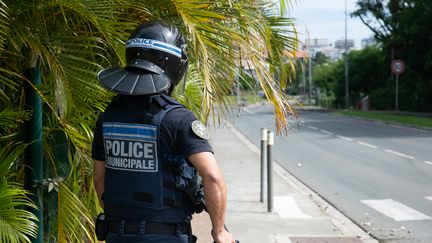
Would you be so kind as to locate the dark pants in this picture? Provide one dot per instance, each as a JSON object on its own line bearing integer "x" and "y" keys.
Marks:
{"x": 134, "y": 238}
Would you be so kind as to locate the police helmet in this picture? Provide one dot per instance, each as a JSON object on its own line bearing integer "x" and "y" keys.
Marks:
{"x": 155, "y": 61}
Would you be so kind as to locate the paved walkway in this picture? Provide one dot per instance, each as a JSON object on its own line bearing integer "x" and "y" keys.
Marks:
{"x": 299, "y": 215}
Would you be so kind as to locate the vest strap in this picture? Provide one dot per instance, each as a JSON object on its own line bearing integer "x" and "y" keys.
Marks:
{"x": 161, "y": 102}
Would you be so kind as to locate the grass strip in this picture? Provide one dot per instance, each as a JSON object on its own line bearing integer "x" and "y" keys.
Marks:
{"x": 396, "y": 118}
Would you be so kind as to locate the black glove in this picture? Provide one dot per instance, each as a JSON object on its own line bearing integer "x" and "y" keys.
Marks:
{"x": 101, "y": 228}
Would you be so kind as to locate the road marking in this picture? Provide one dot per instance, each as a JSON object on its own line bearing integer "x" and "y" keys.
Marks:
{"x": 345, "y": 138}
{"x": 287, "y": 207}
{"x": 428, "y": 162}
{"x": 326, "y": 132}
{"x": 429, "y": 198}
{"x": 367, "y": 145}
{"x": 248, "y": 111}
{"x": 280, "y": 238}
{"x": 399, "y": 154}
{"x": 395, "y": 210}
{"x": 314, "y": 128}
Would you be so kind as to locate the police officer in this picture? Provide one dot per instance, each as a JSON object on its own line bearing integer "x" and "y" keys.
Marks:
{"x": 147, "y": 147}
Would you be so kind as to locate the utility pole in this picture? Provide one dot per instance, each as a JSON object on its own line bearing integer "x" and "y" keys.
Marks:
{"x": 310, "y": 73}
{"x": 346, "y": 60}
{"x": 303, "y": 90}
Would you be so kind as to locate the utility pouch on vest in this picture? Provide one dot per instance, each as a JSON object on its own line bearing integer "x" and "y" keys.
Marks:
{"x": 195, "y": 193}
{"x": 101, "y": 228}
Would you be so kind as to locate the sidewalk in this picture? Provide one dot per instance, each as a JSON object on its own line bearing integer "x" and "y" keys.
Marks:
{"x": 299, "y": 215}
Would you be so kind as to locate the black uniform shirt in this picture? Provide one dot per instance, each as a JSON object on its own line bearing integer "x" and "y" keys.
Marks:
{"x": 176, "y": 135}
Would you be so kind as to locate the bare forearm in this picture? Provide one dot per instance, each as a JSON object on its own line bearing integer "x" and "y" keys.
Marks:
{"x": 99, "y": 179}
{"x": 214, "y": 194}
{"x": 99, "y": 187}
{"x": 215, "y": 197}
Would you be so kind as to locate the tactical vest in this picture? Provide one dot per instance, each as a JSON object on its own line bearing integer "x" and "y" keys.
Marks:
{"x": 137, "y": 172}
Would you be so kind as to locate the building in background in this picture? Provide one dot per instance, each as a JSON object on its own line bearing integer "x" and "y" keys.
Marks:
{"x": 367, "y": 42}
{"x": 324, "y": 46}
{"x": 340, "y": 44}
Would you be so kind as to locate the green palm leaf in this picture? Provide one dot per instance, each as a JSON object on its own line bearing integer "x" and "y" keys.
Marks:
{"x": 4, "y": 20}
{"x": 222, "y": 33}
{"x": 74, "y": 224}
{"x": 17, "y": 224}
{"x": 190, "y": 93}
{"x": 10, "y": 118}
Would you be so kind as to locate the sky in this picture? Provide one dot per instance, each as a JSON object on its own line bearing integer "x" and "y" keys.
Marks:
{"x": 326, "y": 19}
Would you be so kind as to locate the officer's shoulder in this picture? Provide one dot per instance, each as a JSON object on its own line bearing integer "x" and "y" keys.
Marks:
{"x": 181, "y": 113}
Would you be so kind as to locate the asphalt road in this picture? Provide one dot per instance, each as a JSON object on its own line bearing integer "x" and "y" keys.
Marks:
{"x": 378, "y": 175}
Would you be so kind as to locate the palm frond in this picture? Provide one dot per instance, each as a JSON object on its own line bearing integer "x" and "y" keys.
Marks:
{"x": 16, "y": 223}
{"x": 4, "y": 20}
{"x": 222, "y": 33}
{"x": 9, "y": 154}
{"x": 11, "y": 117}
{"x": 74, "y": 223}
{"x": 8, "y": 79}
{"x": 190, "y": 93}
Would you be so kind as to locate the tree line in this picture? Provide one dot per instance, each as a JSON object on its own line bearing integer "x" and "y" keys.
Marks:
{"x": 401, "y": 29}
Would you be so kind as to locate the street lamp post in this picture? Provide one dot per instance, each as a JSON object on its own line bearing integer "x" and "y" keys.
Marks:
{"x": 346, "y": 61}
{"x": 310, "y": 74}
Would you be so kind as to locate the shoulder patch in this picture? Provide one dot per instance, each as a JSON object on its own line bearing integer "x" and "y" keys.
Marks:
{"x": 200, "y": 130}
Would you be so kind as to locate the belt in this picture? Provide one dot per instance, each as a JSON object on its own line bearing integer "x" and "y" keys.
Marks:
{"x": 147, "y": 228}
